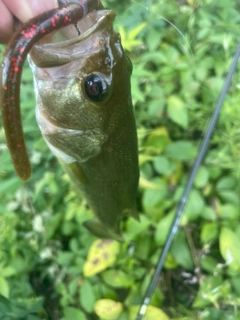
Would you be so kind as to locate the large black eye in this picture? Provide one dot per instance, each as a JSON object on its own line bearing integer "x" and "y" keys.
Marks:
{"x": 96, "y": 87}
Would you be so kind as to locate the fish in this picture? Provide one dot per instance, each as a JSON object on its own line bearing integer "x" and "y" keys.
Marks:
{"x": 85, "y": 114}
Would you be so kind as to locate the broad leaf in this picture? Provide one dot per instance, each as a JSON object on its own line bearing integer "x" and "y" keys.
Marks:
{"x": 101, "y": 255}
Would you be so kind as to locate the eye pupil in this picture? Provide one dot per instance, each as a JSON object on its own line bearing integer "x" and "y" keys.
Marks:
{"x": 96, "y": 88}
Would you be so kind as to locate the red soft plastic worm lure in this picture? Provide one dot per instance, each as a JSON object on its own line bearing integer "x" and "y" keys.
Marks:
{"x": 20, "y": 45}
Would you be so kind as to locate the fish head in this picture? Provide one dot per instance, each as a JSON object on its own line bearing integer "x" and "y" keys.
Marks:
{"x": 75, "y": 85}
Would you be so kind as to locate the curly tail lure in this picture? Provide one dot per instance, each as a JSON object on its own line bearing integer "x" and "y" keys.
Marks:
{"x": 20, "y": 45}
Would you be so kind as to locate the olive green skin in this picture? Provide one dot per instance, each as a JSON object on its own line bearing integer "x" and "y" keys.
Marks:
{"x": 99, "y": 137}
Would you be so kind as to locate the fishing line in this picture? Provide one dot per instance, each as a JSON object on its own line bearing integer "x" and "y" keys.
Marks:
{"x": 169, "y": 22}
{"x": 201, "y": 154}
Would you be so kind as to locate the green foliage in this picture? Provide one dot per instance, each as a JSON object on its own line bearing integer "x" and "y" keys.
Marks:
{"x": 52, "y": 268}
{"x": 101, "y": 255}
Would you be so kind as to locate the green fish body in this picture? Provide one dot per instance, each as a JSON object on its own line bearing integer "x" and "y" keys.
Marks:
{"x": 85, "y": 113}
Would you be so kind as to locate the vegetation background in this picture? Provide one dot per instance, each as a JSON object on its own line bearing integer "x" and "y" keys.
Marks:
{"x": 46, "y": 255}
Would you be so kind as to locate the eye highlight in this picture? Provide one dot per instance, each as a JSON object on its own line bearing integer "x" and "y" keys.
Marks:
{"x": 97, "y": 87}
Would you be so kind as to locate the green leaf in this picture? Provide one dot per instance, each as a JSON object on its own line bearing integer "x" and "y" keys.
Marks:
{"x": 135, "y": 228}
{"x": 8, "y": 271}
{"x": 137, "y": 94}
{"x": 209, "y": 232}
{"x": 156, "y": 108}
{"x": 4, "y": 287}
{"x": 235, "y": 281}
{"x": 152, "y": 198}
{"x": 32, "y": 317}
{"x": 226, "y": 183}
{"x": 5, "y": 305}
{"x": 129, "y": 39}
{"x": 177, "y": 111}
{"x": 65, "y": 258}
{"x": 181, "y": 252}
{"x": 214, "y": 84}
{"x": 208, "y": 263}
{"x": 52, "y": 225}
{"x": 108, "y": 309}
{"x": 181, "y": 150}
{"x": 10, "y": 185}
{"x": 117, "y": 279}
{"x": 135, "y": 32}
{"x": 73, "y": 314}
{"x": 163, "y": 165}
{"x": 87, "y": 296}
{"x": 229, "y": 243}
{"x": 101, "y": 255}
{"x": 208, "y": 213}
{"x": 152, "y": 313}
{"x": 156, "y": 57}
{"x": 153, "y": 39}
{"x": 194, "y": 207}
{"x": 231, "y": 196}
{"x": 202, "y": 177}
{"x": 213, "y": 314}
{"x": 144, "y": 247}
{"x": 73, "y": 286}
{"x": 163, "y": 227}
{"x": 209, "y": 292}
{"x": 229, "y": 211}
{"x": 157, "y": 140}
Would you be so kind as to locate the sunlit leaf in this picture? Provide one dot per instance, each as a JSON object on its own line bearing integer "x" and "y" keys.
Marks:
{"x": 158, "y": 139}
{"x": 177, "y": 111}
{"x": 4, "y": 287}
{"x": 229, "y": 243}
{"x": 101, "y": 255}
{"x": 153, "y": 197}
{"x": 152, "y": 313}
{"x": 129, "y": 39}
{"x": 209, "y": 232}
{"x": 108, "y": 309}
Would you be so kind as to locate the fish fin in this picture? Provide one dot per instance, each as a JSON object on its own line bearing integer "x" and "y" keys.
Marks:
{"x": 100, "y": 231}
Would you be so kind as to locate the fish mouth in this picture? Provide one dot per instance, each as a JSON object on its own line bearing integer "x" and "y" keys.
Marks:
{"x": 93, "y": 21}
{"x": 73, "y": 46}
